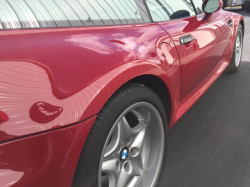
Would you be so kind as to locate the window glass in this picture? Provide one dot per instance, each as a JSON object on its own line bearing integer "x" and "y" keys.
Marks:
{"x": 8, "y": 17}
{"x": 70, "y": 13}
{"x": 164, "y": 10}
{"x": 159, "y": 10}
{"x": 189, "y": 4}
{"x": 198, "y": 6}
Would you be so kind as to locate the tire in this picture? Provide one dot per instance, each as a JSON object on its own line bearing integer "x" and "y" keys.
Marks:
{"x": 237, "y": 54}
{"x": 248, "y": 6}
{"x": 99, "y": 163}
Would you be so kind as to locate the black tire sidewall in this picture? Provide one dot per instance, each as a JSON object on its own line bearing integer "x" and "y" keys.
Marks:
{"x": 139, "y": 94}
{"x": 232, "y": 66}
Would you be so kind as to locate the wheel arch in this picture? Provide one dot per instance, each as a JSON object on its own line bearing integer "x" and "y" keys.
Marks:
{"x": 243, "y": 26}
{"x": 238, "y": 19}
{"x": 148, "y": 74}
{"x": 160, "y": 88}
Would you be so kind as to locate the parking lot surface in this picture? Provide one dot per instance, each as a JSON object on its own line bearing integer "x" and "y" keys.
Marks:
{"x": 210, "y": 145}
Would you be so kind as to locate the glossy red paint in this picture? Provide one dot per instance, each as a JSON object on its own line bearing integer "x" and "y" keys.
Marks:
{"x": 198, "y": 58}
{"x": 53, "y": 78}
{"x": 40, "y": 80}
{"x": 47, "y": 159}
{"x": 3, "y": 117}
{"x": 186, "y": 103}
{"x": 42, "y": 112}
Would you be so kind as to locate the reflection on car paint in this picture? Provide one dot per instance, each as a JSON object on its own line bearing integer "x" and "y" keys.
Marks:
{"x": 137, "y": 47}
{"x": 42, "y": 112}
{"x": 9, "y": 177}
{"x": 29, "y": 82}
{"x": 91, "y": 42}
{"x": 3, "y": 117}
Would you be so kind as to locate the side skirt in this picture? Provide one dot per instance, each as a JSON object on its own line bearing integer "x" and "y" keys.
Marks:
{"x": 189, "y": 101}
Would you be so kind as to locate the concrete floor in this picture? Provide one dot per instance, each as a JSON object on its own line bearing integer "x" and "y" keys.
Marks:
{"x": 210, "y": 145}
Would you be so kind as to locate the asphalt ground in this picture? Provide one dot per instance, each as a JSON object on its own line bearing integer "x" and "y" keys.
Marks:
{"x": 210, "y": 145}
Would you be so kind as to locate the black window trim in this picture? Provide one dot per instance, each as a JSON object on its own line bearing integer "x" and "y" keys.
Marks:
{"x": 148, "y": 11}
{"x": 194, "y": 7}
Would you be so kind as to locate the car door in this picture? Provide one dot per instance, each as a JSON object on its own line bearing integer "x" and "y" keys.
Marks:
{"x": 200, "y": 43}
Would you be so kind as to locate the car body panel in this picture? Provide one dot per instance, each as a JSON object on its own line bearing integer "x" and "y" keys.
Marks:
{"x": 77, "y": 46}
{"x": 35, "y": 98}
{"x": 199, "y": 57}
{"x": 190, "y": 99}
{"x": 188, "y": 102}
{"x": 46, "y": 159}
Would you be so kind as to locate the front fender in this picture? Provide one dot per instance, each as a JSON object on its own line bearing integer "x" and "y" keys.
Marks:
{"x": 103, "y": 88}
{"x": 31, "y": 102}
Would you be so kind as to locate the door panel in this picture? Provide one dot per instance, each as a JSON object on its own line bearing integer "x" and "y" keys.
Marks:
{"x": 198, "y": 57}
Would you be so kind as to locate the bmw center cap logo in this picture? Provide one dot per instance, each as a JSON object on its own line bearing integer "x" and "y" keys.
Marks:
{"x": 124, "y": 154}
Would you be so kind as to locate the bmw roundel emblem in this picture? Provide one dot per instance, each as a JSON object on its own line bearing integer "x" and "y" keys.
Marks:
{"x": 124, "y": 154}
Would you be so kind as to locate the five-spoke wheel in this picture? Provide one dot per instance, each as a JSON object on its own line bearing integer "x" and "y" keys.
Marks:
{"x": 126, "y": 146}
{"x": 133, "y": 151}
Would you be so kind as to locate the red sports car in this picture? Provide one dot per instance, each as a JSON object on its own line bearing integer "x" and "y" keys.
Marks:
{"x": 89, "y": 88}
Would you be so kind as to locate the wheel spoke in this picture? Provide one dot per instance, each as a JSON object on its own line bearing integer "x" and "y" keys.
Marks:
{"x": 138, "y": 114}
{"x": 134, "y": 181}
{"x": 111, "y": 167}
{"x": 141, "y": 123}
{"x": 127, "y": 173}
{"x": 124, "y": 178}
{"x": 136, "y": 171}
{"x": 137, "y": 146}
{"x": 114, "y": 144}
{"x": 143, "y": 117}
{"x": 138, "y": 141}
{"x": 126, "y": 131}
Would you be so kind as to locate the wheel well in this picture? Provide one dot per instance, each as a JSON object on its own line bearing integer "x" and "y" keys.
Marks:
{"x": 243, "y": 26}
{"x": 160, "y": 88}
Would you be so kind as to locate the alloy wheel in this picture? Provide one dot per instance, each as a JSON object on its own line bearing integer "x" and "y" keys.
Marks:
{"x": 238, "y": 49}
{"x": 133, "y": 152}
